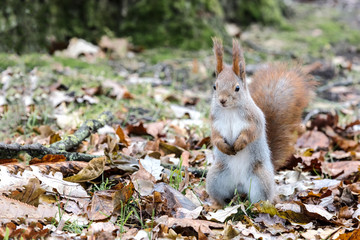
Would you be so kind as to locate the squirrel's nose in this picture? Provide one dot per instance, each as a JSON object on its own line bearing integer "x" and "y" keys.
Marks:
{"x": 222, "y": 101}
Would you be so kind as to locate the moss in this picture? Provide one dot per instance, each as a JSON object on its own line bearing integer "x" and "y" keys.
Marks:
{"x": 31, "y": 61}
{"x": 162, "y": 54}
{"x": 267, "y": 12}
{"x": 6, "y": 61}
{"x": 188, "y": 24}
{"x": 99, "y": 68}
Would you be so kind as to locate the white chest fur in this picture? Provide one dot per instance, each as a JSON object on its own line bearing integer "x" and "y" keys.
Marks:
{"x": 229, "y": 123}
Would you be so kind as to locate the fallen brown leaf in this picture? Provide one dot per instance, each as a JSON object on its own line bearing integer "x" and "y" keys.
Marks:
{"x": 92, "y": 170}
{"x": 55, "y": 137}
{"x": 346, "y": 212}
{"x": 144, "y": 181}
{"x": 105, "y": 202}
{"x": 195, "y": 225}
{"x": 313, "y": 139}
{"x": 44, "y": 130}
{"x": 340, "y": 170}
{"x": 137, "y": 129}
{"x": 169, "y": 149}
{"x": 155, "y": 129}
{"x": 123, "y": 137}
{"x": 174, "y": 198}
{"x": 11, "y": 209}
{"x": 30, "y": 194}
{"x": 12, "y": 160}
{"x": 49, "y": 158}
{"x": 181, "y": 142}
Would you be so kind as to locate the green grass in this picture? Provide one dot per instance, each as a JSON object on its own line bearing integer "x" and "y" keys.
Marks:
{"x": 100, "y": 67}
{"x": 313, "y": 33}
{"x": 74, "y": 227}
{"x": 126, "y": 212}
{"x": 104, "y": 185}
{"x": 7, "y": 61}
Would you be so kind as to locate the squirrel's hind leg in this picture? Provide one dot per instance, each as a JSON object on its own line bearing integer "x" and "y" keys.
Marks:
{"x": 217, "y": 184}
{"x": 261, "y": 184}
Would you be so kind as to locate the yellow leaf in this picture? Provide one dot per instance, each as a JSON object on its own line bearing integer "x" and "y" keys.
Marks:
{"x": 93, "y": 170}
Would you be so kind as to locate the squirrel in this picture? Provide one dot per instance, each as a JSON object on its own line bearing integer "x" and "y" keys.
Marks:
{"x": 253, "y": 127}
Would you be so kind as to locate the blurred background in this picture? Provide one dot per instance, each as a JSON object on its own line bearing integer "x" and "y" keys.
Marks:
{"x": 150, "y": 63}
{"x": 42, "y": 25}
{"x": 65, "y": 61}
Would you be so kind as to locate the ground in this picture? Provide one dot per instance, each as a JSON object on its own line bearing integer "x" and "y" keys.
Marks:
{"x": 160, "y": 100}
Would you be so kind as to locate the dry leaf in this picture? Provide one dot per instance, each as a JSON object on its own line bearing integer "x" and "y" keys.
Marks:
{"x": 169, "y": 149}
{"x": 30, "y": 194}
{"x": 143, "y": 181}
{"x": 195, "y": 225}
{"x": 117, "y": 91}
{"x": 174, "y": 198}
{"x": 5, "y": 161}
{"x": 11, "y": 209}
{"x": 342, "y": 169}
{"x": 313, "y": 139}
{"x": 93, "y": 170}
{"x": 55, "y": 137}
{"x": 181, "y": 142}
{"x": 44, "y": 130}
{"x": 105, "y": 202}
{"x": 137, "y": 129}
{"x": 123, "y": 137}
{"x": 49, "y": 158}
{"x": 51, "y": 182}
{"x": 190, "y": 214}
{"x": 67, "y": 168}
{"x": 153, "y": 166}
{"x": 222, "y": 214}
{"x": 155, "y": 129}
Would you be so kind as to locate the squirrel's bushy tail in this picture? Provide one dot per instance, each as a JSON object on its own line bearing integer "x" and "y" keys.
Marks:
{"x": 282, "y": 92}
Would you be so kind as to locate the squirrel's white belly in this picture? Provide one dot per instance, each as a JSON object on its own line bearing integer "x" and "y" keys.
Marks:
{"x": 230, "y": 125}
{"x": 239, "y": 165}
{"x": 238, "y": 169}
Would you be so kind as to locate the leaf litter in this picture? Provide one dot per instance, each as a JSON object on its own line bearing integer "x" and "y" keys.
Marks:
{"x": 149, "y": 182}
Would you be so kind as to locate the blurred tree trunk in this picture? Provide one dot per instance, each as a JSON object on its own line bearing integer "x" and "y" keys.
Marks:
{"x": 31, "y": 25}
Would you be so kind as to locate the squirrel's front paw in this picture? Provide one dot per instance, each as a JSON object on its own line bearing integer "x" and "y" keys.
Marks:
{"x": 240, "y": 143}
{"x": 226, "y": 148}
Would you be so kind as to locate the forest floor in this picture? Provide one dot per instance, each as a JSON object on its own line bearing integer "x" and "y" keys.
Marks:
{"x": 151, "y": 184}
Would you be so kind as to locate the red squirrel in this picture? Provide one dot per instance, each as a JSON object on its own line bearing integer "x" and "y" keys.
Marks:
{"x": 253, "y": 125}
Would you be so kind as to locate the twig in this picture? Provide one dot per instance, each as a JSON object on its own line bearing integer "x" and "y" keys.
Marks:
{"x": 61, "y": 147}
{"x": 37, "y": 150}
{"x": 88, "y": 127}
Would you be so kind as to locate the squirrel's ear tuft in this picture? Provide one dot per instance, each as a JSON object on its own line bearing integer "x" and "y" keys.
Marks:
{"x": 238, "y": 60}
{"x": 219, "y": 52}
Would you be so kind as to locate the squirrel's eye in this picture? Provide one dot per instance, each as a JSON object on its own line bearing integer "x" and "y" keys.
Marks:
{"x": 237, "y": 88}
{"x": 214, "y": 87}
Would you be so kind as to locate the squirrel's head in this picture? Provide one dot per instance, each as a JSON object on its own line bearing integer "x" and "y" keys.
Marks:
{"x": 230, "y": 84}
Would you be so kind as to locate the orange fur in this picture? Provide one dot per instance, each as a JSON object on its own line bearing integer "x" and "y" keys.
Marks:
{"x": 219, "y": 52}
{"x": 218, "y": 141}
{"x": 281, "y": 93}
{"x": 238, "y": 65}
{"x": 248, "y": 135}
